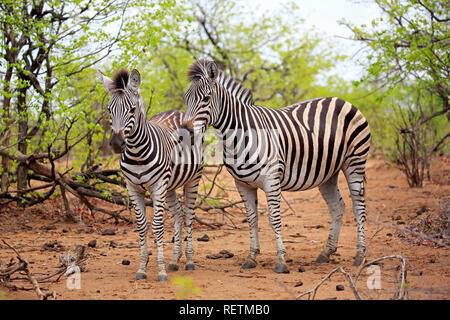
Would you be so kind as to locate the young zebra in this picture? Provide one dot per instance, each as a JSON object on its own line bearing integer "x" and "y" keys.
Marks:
{"x": 298, "y": 147}
{"x": 152, "y": 159}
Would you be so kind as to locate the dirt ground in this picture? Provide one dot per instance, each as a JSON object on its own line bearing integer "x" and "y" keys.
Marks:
{"x": 305, "y": 229}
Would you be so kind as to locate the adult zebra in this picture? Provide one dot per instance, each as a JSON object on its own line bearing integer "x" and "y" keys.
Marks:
{"x": 153, "y": 159}
{"x": 298, "y": 147}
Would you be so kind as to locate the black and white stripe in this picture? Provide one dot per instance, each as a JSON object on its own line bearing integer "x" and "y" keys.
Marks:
{"x": 153, "y": 159}
{"x": 298, "y": 147}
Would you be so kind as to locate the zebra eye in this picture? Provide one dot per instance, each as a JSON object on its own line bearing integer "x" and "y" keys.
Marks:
{"x": 206, "y": 98}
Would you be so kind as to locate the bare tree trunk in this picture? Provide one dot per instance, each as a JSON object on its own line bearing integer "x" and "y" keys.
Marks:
{"x": 4, "y": 184}
{"x": 22, "y": 171}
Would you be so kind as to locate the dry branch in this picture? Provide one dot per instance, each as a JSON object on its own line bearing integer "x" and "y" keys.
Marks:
{"x": 84, "y": 187}
{"x": 22, "y": 265}
{"x": 352, "y": 282}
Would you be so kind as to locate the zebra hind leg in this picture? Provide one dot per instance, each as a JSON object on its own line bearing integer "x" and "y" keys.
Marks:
{"x": 177, "y": 214}
{"x": 249, "y": 195}
{"x": 336, "y": 207}
{"x": 355, "y": 180}
{"x": 273, "y": 201}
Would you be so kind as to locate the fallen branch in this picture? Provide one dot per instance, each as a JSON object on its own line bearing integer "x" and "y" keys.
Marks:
{"x": 23, "y": 266}
{"x": 352, "y": 282}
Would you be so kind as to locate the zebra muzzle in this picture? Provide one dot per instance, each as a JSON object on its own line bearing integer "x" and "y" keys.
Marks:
{"x": 187, "y": 129}
{"x": 117, "y": 142}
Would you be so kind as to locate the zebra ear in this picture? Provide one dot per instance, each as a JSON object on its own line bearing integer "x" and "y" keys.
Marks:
{"x": 107, "y": 82}
{"x": 212, "y": 70}
{"x": 134, "y": 81}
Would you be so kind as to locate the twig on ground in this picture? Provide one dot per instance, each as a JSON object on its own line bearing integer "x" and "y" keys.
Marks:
{"x": 23, "y": 266}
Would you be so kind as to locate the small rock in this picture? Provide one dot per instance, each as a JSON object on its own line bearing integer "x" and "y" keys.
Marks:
{"x": 214, "y": 256}
{"x": 432, "y": 260}
{"x": 92, "y": 243}
{"x": 98, "y": 291}
{"x": 47, "y": 228}
{"x": 113, "y": 244}
{"x": 108, "y": 232}
{"x": 400, "y": 222}
{"x": 53, "y": 245}
{"x": 397, "y": 218}
{"x": 421, "y": 210}
{"x": 340, "y": 287}
{"x": 65, "y": 230}
{"x": 205, "y": 238}
{"x": 298, "y": 284}
{"x": 126, "y": 262}
{"x": 301, "y": 269}
{"x": 297, "y": 235}
{"x": 226, "y": 254}
{"x": 289, "y": 260}
{"x": 389, "y": 234}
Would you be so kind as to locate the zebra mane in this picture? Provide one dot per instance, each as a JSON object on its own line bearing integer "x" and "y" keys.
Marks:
{"x": 120, "y": 79}
{"x": 199, "y": 69}
{"x": 237, "y": 88}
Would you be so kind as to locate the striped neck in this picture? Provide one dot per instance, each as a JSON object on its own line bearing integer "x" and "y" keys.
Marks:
{"x": 138, "y": 131}
{"x": 231, "y": 95}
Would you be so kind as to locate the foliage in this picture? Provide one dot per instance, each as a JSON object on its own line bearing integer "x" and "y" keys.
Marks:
{"x": 409, "y": 61}
{"x": 274, "y": 54}
{"x": 52, "y": 105}
{"x": 409, "y": 42}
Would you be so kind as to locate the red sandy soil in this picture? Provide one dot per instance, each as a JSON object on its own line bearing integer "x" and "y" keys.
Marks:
{"x": 305, "y": 230}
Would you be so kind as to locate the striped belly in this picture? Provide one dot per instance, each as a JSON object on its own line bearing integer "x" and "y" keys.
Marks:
{"x": 322, "y": 134}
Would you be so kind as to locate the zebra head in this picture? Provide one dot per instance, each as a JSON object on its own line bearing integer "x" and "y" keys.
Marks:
{"x": 201, "y": 98}
{"x": 124, "y": 106}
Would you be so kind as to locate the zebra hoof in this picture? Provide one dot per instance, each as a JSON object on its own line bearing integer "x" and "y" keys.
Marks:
{"x": 322, "y": 259}
{"x": 162, "y": 277}
{"x": 249, "y": 264}
{"x": 172, "y": 267}
{"x": 140, "y": 276}
{"x": 281, "y": 268}
{"x": 190, "y": 267}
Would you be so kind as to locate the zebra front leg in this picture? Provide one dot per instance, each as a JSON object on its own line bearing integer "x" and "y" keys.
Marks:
{"x": 137, "y": 199}
{"x": 273, "y": 201}
{"x": 159, "y": 197}
{"x": 336, "y": 207}
{"x": 177, "y": 214}
{"x": 355, "y": 182}
{"x": 190, "y": 191}
{"x": 250, "y": 197}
